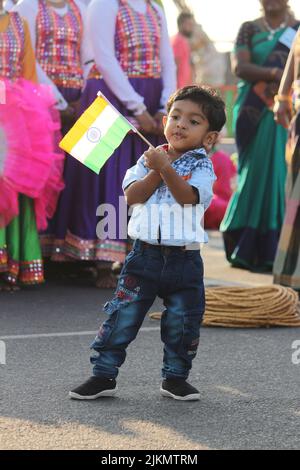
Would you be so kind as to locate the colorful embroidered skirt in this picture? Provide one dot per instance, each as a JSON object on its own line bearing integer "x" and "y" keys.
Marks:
{"x": 74, "y": 228}
{"x": 20, "y": 253}
{"x": 30, "y": 177}
{"x": 30, "y": 161}
{"x": 287, "y": 262}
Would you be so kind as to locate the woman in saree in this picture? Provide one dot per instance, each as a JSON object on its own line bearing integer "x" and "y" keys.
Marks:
{"x": 287, "y": 261}
{"x": 254, "y": 217}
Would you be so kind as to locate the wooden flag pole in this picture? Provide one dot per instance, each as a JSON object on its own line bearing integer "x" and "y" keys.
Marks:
{"x": 131, "y": 125}
{"x": 142, "y": 137}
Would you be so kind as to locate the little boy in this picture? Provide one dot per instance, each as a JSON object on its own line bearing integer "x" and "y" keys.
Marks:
{"x": 164, "y": 261}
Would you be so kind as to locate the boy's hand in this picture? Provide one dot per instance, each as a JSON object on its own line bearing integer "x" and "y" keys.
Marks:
{"x": 156, "y": 159}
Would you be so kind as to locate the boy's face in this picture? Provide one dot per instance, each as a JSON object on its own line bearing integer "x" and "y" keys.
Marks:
{"x": 187, "y": 128}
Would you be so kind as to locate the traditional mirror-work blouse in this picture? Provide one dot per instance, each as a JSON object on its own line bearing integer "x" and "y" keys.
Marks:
{"x": 58, "y": 44}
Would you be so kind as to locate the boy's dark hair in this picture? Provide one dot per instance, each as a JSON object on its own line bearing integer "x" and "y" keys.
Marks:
{"x": 185, "y": 15}
{"x": 212, "y": 105}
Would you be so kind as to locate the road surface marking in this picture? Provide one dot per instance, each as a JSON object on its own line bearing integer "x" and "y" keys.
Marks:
{"x": 67, "y": 333}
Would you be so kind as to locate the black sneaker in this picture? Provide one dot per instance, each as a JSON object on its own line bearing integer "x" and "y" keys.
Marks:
{"x": 179, "y": 389}
{"x": 94, "y": 387}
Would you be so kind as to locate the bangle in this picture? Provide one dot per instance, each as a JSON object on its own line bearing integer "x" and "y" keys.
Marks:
{"x": 282, "y": 98}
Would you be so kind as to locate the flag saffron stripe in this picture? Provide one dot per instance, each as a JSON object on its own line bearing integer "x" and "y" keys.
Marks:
{"x": 83, "y": 123}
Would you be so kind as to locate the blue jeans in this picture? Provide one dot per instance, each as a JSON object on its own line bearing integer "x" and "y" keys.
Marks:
{"x": 176, "y": 276}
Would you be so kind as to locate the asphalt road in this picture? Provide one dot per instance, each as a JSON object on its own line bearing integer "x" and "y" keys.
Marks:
{"x": 250, "y": 389}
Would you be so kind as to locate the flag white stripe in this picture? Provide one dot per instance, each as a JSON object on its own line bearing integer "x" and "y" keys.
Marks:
{"x": 103, "y": 123}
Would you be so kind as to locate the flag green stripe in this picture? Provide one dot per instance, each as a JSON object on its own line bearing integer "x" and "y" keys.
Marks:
{"x": 107, "y": 145}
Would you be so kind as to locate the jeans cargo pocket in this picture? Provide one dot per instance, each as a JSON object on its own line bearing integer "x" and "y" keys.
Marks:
{"x": 191, "y": 333}
{"x": 106, "y": 329}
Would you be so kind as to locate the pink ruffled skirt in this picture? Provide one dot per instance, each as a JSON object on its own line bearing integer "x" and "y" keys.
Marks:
{"x": 30, "y": 161}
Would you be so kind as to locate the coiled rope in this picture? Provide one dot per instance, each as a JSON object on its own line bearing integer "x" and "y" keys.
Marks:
{"x": 243, "y": 307}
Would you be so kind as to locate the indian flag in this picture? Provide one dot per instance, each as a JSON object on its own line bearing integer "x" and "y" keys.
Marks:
{"x": 96, "y": 134}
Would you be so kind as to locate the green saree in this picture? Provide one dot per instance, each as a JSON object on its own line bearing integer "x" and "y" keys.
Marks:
{"x": 254, "y": 216}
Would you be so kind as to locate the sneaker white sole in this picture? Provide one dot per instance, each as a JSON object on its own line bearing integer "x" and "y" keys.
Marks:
{"x": 104, "y": 393}
{"x": 193, "y": 397}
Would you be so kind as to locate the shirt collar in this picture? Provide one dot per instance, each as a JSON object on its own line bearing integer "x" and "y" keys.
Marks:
{"x": 196, "y": 153}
